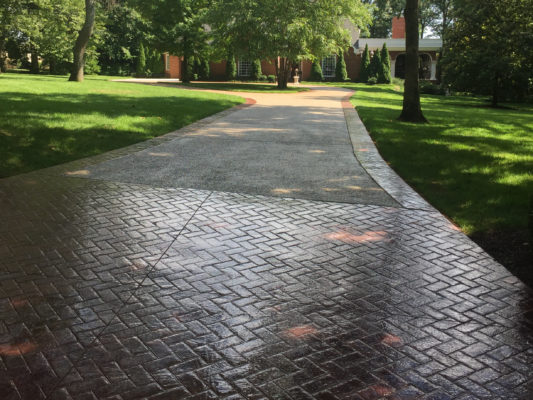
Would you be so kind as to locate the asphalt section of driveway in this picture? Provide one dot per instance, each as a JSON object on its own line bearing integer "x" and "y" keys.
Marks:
{"x": 290, "y": 145}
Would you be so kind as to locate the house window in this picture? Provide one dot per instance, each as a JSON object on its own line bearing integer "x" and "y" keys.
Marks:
{"x": 167, "y": 62}
{"x": 244, "y": 68}
{"x": 328, "y": 66}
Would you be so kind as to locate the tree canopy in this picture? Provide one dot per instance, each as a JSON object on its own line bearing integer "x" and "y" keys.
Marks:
{"x": 289, "y": 29}
{"x": 490, "y": 48}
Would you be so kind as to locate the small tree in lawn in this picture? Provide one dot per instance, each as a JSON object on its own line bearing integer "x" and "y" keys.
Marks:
{"x": 364, "y": 72}
{"x": 316, "y": 72}
{"x": 231, "y": 68}
{"x": 375, "y": 65}
{"x": 340, "y": 69}
{"x": 141, "y": 62}
{"x": 384, "y": 73}
{"x": 257, "y": 72}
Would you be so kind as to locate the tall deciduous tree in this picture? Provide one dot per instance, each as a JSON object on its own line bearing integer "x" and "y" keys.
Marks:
{"x": 82, "y": 41}
{"x": 178, "y": 26}
{"x": 481, "y": 26}
{"x": 411, "y": 111}
{"x": 286, "y": 31}
{"x": 9, "y": 11}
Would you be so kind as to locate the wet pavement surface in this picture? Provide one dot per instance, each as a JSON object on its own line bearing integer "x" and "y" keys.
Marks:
{"x": 112, "y": 290}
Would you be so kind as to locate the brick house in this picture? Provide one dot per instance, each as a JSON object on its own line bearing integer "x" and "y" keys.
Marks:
{"x": 428, "y": 49}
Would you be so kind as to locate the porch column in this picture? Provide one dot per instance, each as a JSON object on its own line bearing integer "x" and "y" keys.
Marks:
{"x": 392, "y": 68}
{"x": 433, "y": 70}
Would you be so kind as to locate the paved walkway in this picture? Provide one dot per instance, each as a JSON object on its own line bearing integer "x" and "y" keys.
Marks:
{"x": 171, "y": 284}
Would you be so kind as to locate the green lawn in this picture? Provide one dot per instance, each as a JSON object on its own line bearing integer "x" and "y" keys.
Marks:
{"x": 244, "y": 87}
{"x": 45, "y": 120}
{"x": 472, "y": 162}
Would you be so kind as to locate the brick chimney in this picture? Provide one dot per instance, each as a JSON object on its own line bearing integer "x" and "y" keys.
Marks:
{"x": 398, "y": 27}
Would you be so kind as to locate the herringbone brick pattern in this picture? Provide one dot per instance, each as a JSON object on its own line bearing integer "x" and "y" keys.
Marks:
{"x": 118, "y": 291}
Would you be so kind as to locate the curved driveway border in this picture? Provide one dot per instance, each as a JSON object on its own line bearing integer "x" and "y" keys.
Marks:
{"x": 367, "y": 154}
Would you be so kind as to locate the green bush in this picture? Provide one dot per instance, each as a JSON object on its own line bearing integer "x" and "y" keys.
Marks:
{"x": 384, "y": 72}
{"x": 271, "y": 78}
{"x": 365, "y": 66}
{"x": 426, "y": 87}
{"x": 204, "y": 70}
{"x": 316, "y": 72}
{"x": 375, "y": 66}
{"x": 340, "y": 69}
{"x": 231, "y": 68}
{"x": 262, "y": 78}
{"x": 372, "y": 80}
{"x": 256, "y": 70}
{"x": 141, "y": 62}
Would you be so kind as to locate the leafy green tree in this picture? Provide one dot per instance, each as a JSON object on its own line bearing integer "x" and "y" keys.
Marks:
{"x": 411, "y": 108}
{"x": 340, "y": 69}
{"x": 469, "y": 60}
{"x": 122, "y": 31}
{"x": 364, "y": 72}
{"x": 231, "y": 68}
{"x": 9, "y": 11}
{"x": 316, "y": 72}
{"x": 177, "y": 26}
{"x": 375, "y": 65}
{"x": 286, "y": 31}
{"x": 141, "y": 61}
{"x": 384, "y": 75}
{"x": 257, "y": 72}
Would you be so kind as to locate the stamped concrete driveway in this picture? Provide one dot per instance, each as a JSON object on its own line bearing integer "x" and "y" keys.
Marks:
{"x": 321, "y": 276}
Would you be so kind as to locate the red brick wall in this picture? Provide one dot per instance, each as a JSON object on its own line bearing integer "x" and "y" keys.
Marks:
{"x": 175, "y": 67}
{"x": 353, "y": 64}
{"x": 398, "y": 27}
{"x": 217, "y": 70}
{"x": 268, "y": 68}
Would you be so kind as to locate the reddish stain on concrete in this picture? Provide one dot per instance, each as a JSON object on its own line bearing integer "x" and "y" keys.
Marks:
{"x": 19, "y": 303}
{"x": 347, "y": 237}
{"x": 391, "y": 340}
{"x": 12, "y": 350}
{"x": 301, "y": 331}
{"x": 382, "y": 390}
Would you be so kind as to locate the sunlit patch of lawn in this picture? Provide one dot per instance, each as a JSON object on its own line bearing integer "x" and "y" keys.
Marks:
{"x": 46, "y": 120}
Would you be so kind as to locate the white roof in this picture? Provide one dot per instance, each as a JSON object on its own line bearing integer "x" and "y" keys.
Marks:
{"x": 397, "y": 44}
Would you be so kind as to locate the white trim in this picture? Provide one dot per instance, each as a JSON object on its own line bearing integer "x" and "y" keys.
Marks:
{"x": 167, "y": 62}
{"x": 398, "y": 44}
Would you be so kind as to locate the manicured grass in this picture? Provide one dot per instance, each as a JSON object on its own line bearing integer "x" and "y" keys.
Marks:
{"x": 45, "y": 120}
{"x": 244, "y": 87}
{"x": 472, "y": 162}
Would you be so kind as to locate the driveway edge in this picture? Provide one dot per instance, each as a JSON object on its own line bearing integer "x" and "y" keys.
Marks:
{"x": 368, "y": 155}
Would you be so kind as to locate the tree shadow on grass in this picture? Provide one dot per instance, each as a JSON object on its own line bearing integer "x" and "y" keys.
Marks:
{"x": 40, "y": 130}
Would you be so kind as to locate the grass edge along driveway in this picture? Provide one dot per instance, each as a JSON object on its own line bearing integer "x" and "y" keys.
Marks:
{"x": 46, "y": 120}
{"x": 472, "y": 162}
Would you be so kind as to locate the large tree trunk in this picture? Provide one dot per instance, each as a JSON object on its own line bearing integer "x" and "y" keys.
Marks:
{"x": 34, "y": 62}
{"x": 82, "y": 41}
{"x": 411, "y": 112}
{"x": 283, "y": 72}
